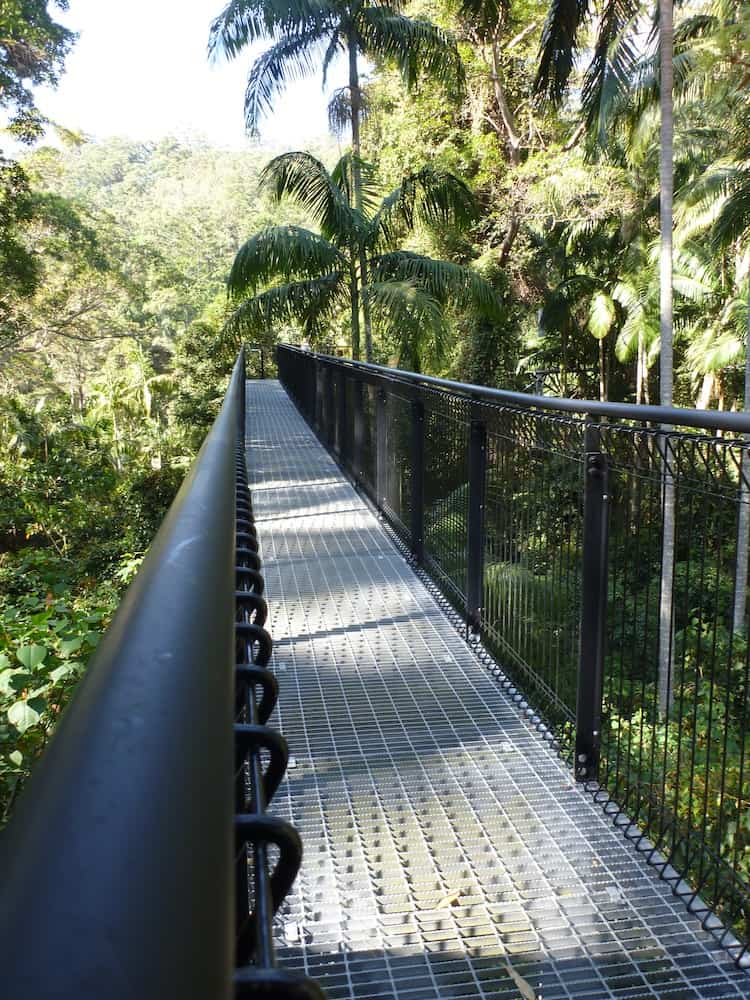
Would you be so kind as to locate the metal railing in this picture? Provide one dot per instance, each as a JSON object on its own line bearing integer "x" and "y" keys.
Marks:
{"x": 128, "y": 846}
{"x": 542, "y": 521}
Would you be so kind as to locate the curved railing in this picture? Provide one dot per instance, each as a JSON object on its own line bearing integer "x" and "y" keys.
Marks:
{"x": 600, "y": 552}
{"x": 126, "y": 850}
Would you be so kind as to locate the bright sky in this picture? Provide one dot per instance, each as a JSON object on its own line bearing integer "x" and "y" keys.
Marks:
{"x": 140, "y": 69}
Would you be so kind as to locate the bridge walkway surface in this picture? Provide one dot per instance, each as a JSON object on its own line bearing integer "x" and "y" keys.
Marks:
{"x": 448, "y": 853}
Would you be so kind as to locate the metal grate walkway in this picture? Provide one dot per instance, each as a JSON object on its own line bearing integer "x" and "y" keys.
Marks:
{"x": 447, "y": 852}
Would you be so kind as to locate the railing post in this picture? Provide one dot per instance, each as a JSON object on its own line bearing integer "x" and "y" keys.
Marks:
{"x": 477, "y": 489}
{"x": 330, "y": 407}
{"x": 358, "y": 427}
{"x": 417, "y": 479}
{"x": 343, "y": 452}
{"x": 381, "y": 474}
{"x": 241, "y": 423}
{"x": 595, "y": 558}
{"x": 319, "y": 377}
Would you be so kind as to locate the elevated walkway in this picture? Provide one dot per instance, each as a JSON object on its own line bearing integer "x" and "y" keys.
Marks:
{"x": 448, "y": 853}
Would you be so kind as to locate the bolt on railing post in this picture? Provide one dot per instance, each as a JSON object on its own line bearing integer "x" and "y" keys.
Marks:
{"x": 381, "y": 475}
{"x": 595, "y": 559}
{"x": 477, "y": 493}
{"x": 417, "y": 480}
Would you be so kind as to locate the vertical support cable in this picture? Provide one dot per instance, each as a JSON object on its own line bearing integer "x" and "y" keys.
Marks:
{"x": 593, "y": 607}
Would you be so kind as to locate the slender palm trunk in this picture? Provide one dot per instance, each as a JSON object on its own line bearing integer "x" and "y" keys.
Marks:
{"x": 666, "y": 184}
{"x": 743, "y": 516}
{"x": 639, "y": 366}
{"x": 354, "y": 295}
{"x": 356, "y": 101}
{"x": 513, "y": 139}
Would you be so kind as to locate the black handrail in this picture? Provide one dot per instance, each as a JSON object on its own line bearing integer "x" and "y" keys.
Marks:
{"x": 117, "y": 866}
{"x": 671, "y": 416}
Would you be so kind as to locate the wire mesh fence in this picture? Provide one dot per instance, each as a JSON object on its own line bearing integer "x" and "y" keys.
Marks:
{"x": 544, "y": 523}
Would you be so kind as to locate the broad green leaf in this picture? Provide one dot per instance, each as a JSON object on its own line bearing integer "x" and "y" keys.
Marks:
{"x": 22, "y": 716}
{"x": 31, "y": 656}
{"x": 20, "y": 680}
{"x": 601, "y": 315}
{"x": 16, "y": 758}
{"x": 6, "y": 676}
{"x": 71, "y": 667}
{"x": 92, "y": 638}
{"x": 68, "y": 646}
{"x": 4, "y": 662}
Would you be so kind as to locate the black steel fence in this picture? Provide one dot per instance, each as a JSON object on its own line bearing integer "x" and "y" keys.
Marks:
{"x": 601, "y": 553}
{"x": 146, "y": 817}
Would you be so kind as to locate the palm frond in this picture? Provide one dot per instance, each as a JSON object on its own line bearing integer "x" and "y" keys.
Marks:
{"x": 292, "y": 57}
{"x": 342, "y": 176}
{"x": 428, "y": 196}
{"x": 446, "y": 282}
{"x": 409, "y": 316}
{"x": 340, "y": 110}
{"x": 335, "y": 46}
{"x": 558, "y": 46}
{"x": 309, "y": 302}
{"x": 733, "y": 221}
{"x": 304, "y": 179}
{"x": 281, "y": 252}
{"x": 414, "y": 46}
{"x": 484, "y": 16}
{"x": 612, "y": 68}
{"x": 245, "y": 21}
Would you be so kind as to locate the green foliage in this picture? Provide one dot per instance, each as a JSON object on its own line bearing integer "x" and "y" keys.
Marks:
{"x": 48, "y": 630}
{"x": 305, "y": 34}
{"x": 405, "y": 294}
{"x": 33, "y": 47}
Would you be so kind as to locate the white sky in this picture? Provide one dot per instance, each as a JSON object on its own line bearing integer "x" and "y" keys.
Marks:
{"x": 140, "y": 69}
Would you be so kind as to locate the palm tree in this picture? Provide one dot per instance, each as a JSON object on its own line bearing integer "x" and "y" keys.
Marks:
{"x": 288, "y": 273}
{"x": 306, "y": 32}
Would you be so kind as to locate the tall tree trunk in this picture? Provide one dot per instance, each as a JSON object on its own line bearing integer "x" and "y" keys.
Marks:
{"x": 354, "y": 296}
{"x": 355, "y": 95}
{"x": 513, "y": 139}
{"x": 743, "y": 515}
{"x": 666, "y": 185}
{"x": 639, "y": 366}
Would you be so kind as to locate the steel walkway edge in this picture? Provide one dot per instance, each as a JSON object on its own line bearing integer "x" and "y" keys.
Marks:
{"x": 448, "y": 854}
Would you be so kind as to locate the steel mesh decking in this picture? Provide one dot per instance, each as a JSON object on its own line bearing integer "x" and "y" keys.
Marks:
{"x": 443, "y": 839}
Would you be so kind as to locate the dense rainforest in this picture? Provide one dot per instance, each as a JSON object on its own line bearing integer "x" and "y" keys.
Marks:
{"x": 488, "y": 206}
